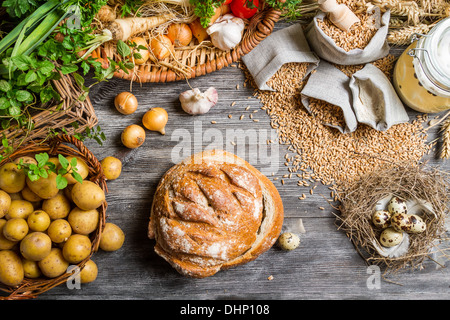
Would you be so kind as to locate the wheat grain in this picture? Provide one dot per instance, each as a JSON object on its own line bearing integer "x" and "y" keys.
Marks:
{"x": 403, "y": 36}
{"x": 445, "y": 134}
{"x": 323, "y": 153}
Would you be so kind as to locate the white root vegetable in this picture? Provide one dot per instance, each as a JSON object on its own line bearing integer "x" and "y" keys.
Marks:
{"x": 106, "y": 14}
{"x": 196, "y": 102}
{"x": 122, "y": 29}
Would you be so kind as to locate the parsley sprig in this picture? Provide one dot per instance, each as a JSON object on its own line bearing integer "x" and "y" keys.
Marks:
{"x": 43, "y": 167}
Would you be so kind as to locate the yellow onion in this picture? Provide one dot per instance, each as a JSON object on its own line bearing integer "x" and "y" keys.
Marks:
{"x": 161, "y": 46}
{"x": 180, "y": 34}
{"x": 155, "y": 120}
{"x": 145, "y": 54}
{"x": 126, "y": 102}
{"x": 133, "y": 136}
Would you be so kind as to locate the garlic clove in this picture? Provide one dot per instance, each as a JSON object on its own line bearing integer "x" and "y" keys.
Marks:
{"x": 195, "y": 102}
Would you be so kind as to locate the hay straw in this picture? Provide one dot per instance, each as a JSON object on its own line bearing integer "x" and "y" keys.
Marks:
{"x": 408, "y": 182}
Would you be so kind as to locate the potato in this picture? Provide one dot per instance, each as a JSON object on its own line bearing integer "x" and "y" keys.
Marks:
{"x": 5, "y": 202}
{"x": 83, "y": 221}
{"x": 11, "y": 268}
{"x": 89, "y": 272}
{"x": 31, "y": 269}
{"x": 12, "y": 180}
{"x": 44, "y": 187}
{"x": 35, "y": 246}
{"x": 112, "y": 167}
{"x": 54, "y": 264}
{"x": 59, "y": 230}
{"x": 68, "y": 192}
{"x": 20, "y": 209}
{"x": 57, "y": 207}
{"x": 29, "y": 195}
{"x": 15, "y": 229}
{"x": 77, "y": 248}
{"x": 81, "y": 168}
{"x": 25, "y": 160}
{"x": 38, "y": 220}
{"x": 112, "y": 237}
{"x": 5, "y": 244}
{"x": 16, "y": 196}
{"x": 87, "y": 195}
{"x": 54, "y": 160}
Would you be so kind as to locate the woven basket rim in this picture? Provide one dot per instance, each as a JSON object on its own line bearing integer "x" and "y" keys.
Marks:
{"x": 260, "y": 27}
{"x": 57, "y": 115}
{"x": 59, "y": 144}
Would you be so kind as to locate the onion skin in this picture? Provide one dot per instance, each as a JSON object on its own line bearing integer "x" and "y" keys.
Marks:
{"x": 133, "y": 136}
{"x": 180, "y": 34}
{"x": 155, "y": 120}
{"x": 161, "y": 47}
{"x": 126, "y": 103}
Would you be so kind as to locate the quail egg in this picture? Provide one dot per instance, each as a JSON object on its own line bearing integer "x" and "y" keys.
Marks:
{"x": 397, "y": 205}
{"x": 381, "y": 219}
{"x": 288, "y": 241}
{"x": 401, "y": 222}
{"x": 417, "y": 224}
{"x": 391, "y": 237}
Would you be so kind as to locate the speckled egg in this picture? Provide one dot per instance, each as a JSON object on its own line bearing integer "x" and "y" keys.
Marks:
{"x": 381, "y": 219}
{"x": 417, "y": 224}
{"x": 288, "y": 241}
{"x": 401, "y": 222}
{"x": 391, "y": 237}
{"x": 397, "y": 205}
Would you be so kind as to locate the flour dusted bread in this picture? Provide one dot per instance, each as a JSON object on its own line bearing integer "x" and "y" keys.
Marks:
{"x": 214, "y": 211}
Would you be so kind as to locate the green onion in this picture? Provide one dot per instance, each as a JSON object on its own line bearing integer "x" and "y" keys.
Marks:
{"x": 28, "y": 24}
{"x": 40, "y": 33}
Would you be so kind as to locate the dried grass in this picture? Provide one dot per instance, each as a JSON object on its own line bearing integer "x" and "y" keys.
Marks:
{"x": 407, "y": 182}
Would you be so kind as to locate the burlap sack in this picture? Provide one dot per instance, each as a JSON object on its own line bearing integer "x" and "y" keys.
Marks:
{"x": 284, "y": 46}
{"x": 326, "y": 48}
{"x": 367, "y": 97}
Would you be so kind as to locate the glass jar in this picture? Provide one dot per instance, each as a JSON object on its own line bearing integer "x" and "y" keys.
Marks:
{"x": 422, "y": 72}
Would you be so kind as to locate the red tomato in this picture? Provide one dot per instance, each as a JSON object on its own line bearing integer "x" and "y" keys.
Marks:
{"x": 227, "y": 1}
{"x": 244, "y": 9}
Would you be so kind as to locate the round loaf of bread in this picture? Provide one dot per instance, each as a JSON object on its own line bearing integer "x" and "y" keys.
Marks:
{"x": 214, "y": 211}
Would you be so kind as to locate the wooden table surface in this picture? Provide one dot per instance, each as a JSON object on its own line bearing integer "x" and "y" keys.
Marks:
{"x": 325, "y": 266}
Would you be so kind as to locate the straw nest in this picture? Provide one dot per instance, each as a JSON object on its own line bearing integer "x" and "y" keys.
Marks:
{"x": 421, "y": 184}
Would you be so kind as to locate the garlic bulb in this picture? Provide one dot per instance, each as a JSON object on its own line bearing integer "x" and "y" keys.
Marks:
{"x": 226, "y": 32}
{"x": 196, "y": 102}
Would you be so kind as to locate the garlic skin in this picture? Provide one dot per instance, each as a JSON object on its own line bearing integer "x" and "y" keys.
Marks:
{"x": 196, "y": 102}
{"x": 226, "y": 33}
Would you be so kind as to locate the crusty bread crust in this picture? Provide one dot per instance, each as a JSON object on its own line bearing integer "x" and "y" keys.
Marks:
{"x": 214, "y": 211}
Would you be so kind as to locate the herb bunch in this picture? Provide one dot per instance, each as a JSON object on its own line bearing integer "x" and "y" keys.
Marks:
{"x": 26, "y": 80}
{"x": 44, "y": 167}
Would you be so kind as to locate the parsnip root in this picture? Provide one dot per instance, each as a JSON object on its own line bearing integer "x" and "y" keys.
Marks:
{"x": 123, "y": 29}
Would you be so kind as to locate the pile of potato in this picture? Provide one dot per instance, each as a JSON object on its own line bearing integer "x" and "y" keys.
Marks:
{"x": 43, "y": 229}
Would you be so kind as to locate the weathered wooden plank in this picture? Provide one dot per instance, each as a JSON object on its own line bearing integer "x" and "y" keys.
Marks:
{"x": 325, "y": 266}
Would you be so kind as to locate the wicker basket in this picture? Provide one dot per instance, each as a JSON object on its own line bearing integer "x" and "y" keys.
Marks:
{"x": 200, "y": 60}
{"x": 57, "y": 115}
{"x": 61, "y": 144}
